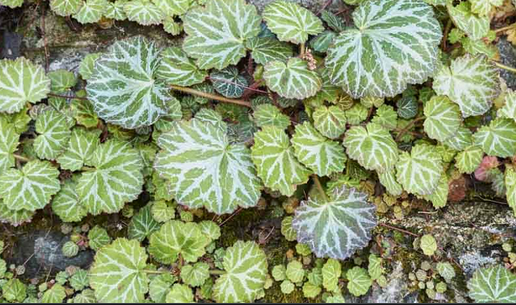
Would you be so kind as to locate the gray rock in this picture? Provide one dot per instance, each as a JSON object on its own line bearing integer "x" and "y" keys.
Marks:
{"x": 508, "y": 58}
{"x": 41, "y": 254}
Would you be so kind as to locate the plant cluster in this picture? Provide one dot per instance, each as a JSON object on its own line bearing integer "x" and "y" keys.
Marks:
{"x": 251, "y": 107}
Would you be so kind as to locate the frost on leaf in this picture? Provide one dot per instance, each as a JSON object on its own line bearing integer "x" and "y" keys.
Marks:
{"x": 395, "y": 43}
{"x": 420, "y": 170}
{"x": 117, "y": 274}
{"x": 21, "y": 82}
{"x": 291, "y": 22}
{"x": 54, "y": 132}
{"x": 8, "y": 144}
{"x": 178, "y": 238}
{"x": 246, "y": 270}
{"x": 124, "y": 87}
{"x": 204, "y": 169}
{"x": 292, "y": 79}
{"x": 321, "y": 155}
{"x": 493, "y": 284}
{"x": 115, "y": 179}
{"x": 216, "y": 33}
{"x": 498, "y": 139}
{"x": 29, "y": 188}
{"x": 177, "y": 69}
{"x": 443, "y": 118}
{"x": 275, "y": 161}
{"x": 338, "y": 227}
{"x": 372, "y": 146}
{"x": 471, "y": 82}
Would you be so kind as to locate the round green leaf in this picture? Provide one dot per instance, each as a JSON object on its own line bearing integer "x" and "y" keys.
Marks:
{"x": 468, "y": 160}
{"x": 180, "y": 294}
{"x": 80, "y": 149}
{"x": 395, "y": 43}
{"x": 359, "y": 281}
{"x": 142, "y": 225}
{"x": 267, "y": 114}
{"x": 330, "y": 121}
{"x": 331, "y": 272}
{"x": 195, "y": 275}
{"x": 66, "y": 203}
{"x": 144, "y": 12}
{"x": 428, "y": 244}
{"x": 443, "y": 118}
{"x": 498, "y": 139}
{"x": 177, "y": 69}
{"x": 229, "y": 82}
{"x": 338, "y": 227}
{"x": 292, "y": 79}
{"x": 54, "y": 132}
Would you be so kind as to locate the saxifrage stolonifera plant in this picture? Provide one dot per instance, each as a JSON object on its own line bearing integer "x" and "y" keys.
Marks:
{"x": 251, "y": 105}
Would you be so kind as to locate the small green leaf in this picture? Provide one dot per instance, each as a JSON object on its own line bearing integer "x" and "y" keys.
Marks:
{"x": 142, "y": 225}
{"x": 468, "y": 160}
{"x": 195, "y": 275}
{"x": 420, "y": 170}
{"x": 66, "y": 203}
{"x": 295, "y": 272}
{"x": 267, "y": 114}
{"x": 443, "y": 118}
{"x": 9, "y": 140}
{"x": 70, "y": 249}
{"x": 475, "y": 26}
{"x": 88, "y": 63}
{"x": 330, "y": 121}
{"x": 98, "y": 237}
{"x": 428, "y": 244}
{"x": 462, "y": 139}
{"x": 291, "y": 22}
{"x": 160, "y": 286}
{"x": 180, "y": 294}
{"x": 445, "y": 270}
{"x": 54, "y": 132}
{"x": 177, "y": 69}
{"x": 388, "y": 180}
{"x": 266, "y": 49}
{"x": 359, "y": 281}
{"x": 498, "y": 139}
{"x": 173, "y": 7}
{"x": 279, "y": 273}
{"x": 510, "y": 184}
{"x": 331, "y": 272}
{"x": 80, "y": 149}
{"x": 407, "y": 107}
{"x": 292, "y": 79}
{"x": 14, "y": 291}
{"x": 229, "y": 82}
{"x": 144, "y": 12}
{"x": 91, "y": 11}
{"x": 375, "y": 267}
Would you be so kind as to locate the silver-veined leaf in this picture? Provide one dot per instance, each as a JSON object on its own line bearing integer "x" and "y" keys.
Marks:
{"x": 180, "y": 293}
{"x": 335, "y": 228}
{"x": 494, "y": 284}
{"x": 173, "y": 7}
{"x": 246, "y": 270}
{"x": 291, "y": 22}
{"x": 124, "y": 88}
{"x": 81, "y": 146}
{"x": 65, "y": 7}
{"x": 21, "y": 82}
{"x": 330, "y": 121}
{"x": 443, "y": 118}
{"x": 66, "y": 203}
{"x": 372, "y": 146}
{"x": 509, "y": 108}
{"x": 228, "y": 82}
{"x": 54, "y": 132}
{"x": 115, "y": 10}
{"x": 475, "y": 26}
{"x": 471, "y": 82}
{"x": 321, "y": 155}
{"x": 29, "y": 188}
{"x": 395, "y": 43}
{"x": 216, "y": 33}
{"x": 439, "y": 197}
{"x": 144, "y": 12}
{"x": 142, "y": 225}
{"x": 292, "y": 79}
{"x": 91, "y": 11}
{"x": 359, "y": 281}
{"x": 9, "y": 140}
{"x": 275, "y": 161}
{"x": 115, "y": 179}
{"x": 484, "y": 7}
{"x": 266, "y": 49}
{"x": 177, "y": 69}
{"x": 118, "y": 275}
{"x": 468, "y": 160}
{"x": 420, "y": 170}
{"x": 462, "y": 139}
{"x": 498, "y": 139}
{"x": 205, "y": 169}
{"x": 195, "y": 275}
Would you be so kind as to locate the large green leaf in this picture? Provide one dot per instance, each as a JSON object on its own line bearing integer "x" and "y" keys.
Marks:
{"x": 372, "y": 146}
{"x": 117, "y": 274}
{"x": 246, "y": 270}
{"x": 471, "y": 82}
{"x": 82, "y": 144}
{"x": 316, "y": 152}
{"x": 8, "y": 144}
{"x": 494, "y": 284}
{"x": 218, "y": 31}
{"x": 291, "y": 22}
{"x": 443, "y": 118}
{"x": 204, "y": 169}
{"x": 420, "y": 170}
{"x": 178, "y": 238}
{"x": 177, "y": 69}
{"x": 498, "y": 139}
{"x": 275, "y": 161}
{"x": 21, "y": 82}
{"x": 54, "y": 132}
{"x": 29, "y": 188}
{"x": 115, "y": 179}
{"x": 336, "y": 227}
{"x": 292, "y": 79}
{"x": 123, "y": 87}
{"x": 395, "y": 43}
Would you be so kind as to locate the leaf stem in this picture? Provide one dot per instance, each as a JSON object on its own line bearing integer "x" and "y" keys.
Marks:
{"x": 407, "y": 128}
{"x": 319, "y": 187}
{"x": 157, "y": 271}
{"x": 505, "y": 28}
{"x": 211, "y": 96}
{"x": 502, "y": 66}
{"x": 302, "y": 50}
{"x": 398, "y": 229}
{"x": 217, "y": 272}
{"x": 21, "y": 158}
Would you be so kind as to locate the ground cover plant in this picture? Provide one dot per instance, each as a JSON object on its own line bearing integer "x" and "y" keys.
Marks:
{"x": 250, "y": 150}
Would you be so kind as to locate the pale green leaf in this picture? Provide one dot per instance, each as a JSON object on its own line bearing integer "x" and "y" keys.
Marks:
{"x": 275, "y": 161}
{"x": 468, "y": 160}
{"x": 160, "y": 286}
{"x": 80, "y": 149}
{"x": 291, "y": 22}
{"x": 91, "y": 11}
{"x": 221, "y": 176}
{"x": 372, "y": 146}
{"x": 321, "y": 155}
{"x": 246, "y": 270}
{"x": 270, "y": 115}
{"x": 295, "y": 271}
{"x": 144, "y": 12}
{"x": 66, "y": 203}
{"x": 443, "y": 118}
{"x": 439, "y": 196}
{"x": 498, "y": 139}
{"x": 14, "y": 291}
{"x": 177, "y": 69}
{"x": 117, "y": 274}
{"x": 54, "y": 132}
{"x": 462, "y": 139}
{"x": 420, "y": 170}
{"x": 115, "y": 10}
{"x": 115, "y": 179}
{"x": 15, "y": 218}
{"x": 173, "y": 7}
{"x": 395, "y": 43}
{"x": 337, "y": 227}
{"x": 21, "y": 82}
{"x": 475, "y": 26}
{"x": 388, "y": 180}
{"x": 56, "y": 294}
{"x": 331, "y": 272}
{"x": 98, "y": 237}
{"x": 509, "y": 108}
{"x": 428, "y": 244}
{"x": 510, "y": 184}
{"x": 375, "y": 266}
{"x": 359, "y": 281}
{"x": 292, "y": 79}
{"x": 180, "y": 294}
{"x": 445, "y": 270}
{"x": 216, "y": 33}
{"x": 471, "y": 82}
{"x": 12, "y": 3}
{"x": 195, "y": 275}
{"x": 330, "y": 121}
